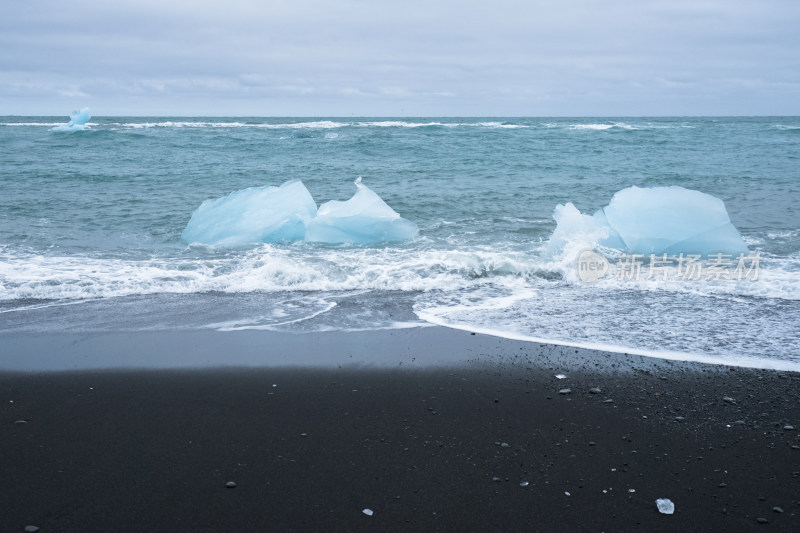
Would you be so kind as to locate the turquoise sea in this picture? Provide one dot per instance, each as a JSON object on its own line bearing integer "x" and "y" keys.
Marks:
{"x": 91, "y": 223}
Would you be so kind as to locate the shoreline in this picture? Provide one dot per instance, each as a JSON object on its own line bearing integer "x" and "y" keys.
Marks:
{"x": 203, "y": 348}
{"x": 437, "y": 433}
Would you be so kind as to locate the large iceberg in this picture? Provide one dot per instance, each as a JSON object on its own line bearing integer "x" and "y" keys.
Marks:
{"x": 363, "y": 218}
{"x": 289, "y": 213}
{"x": 77, "y": 121}
{"x": 658, "y": 220}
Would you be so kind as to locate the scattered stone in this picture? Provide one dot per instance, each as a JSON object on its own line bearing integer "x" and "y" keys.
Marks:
{"x": 722, "y": 485}
{"x": 728, "y": 399}
{"x": 594, "y": 390}
{"x": 230, "y": 484}
{"x": 762, "y": 520}
{"x": 304, "y": 434}
{"x": 788, "y": 427}
{"x": 368, "y": 512}
{"x": 504, "y": 445}
{"x": 739, "y": 422}
{"x": 565, "y": 391}
{"x": 665, "y": 506}
{"x": 679, "y": 418}
{"x": 795, "y": 447}
{"x": 496, "y": 479}
{"x": 608, "y": 401}
{"x": 777, "y": 509}
{"x": 31, "y": 529}
{"x": 21, "y": 422}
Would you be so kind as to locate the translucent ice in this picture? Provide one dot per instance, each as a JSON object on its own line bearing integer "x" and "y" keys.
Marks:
{"x": 665, "y": 506}
{"x": 254, "y": 215}
{"x": 289, "y": 213}
{"x": 364, "y": 218}
{"x": 656, "y": 220}
{"x": 77, "y": 121}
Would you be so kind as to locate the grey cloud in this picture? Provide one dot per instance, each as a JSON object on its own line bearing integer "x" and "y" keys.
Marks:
{"x": 448, "y": 57}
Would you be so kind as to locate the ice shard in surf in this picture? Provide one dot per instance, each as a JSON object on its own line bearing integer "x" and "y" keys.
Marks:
{"x": 658, "y": 220}
{"x": 77, "y": 121}
{"x": 289, "y": 213}
{"x": 364, "y": 218}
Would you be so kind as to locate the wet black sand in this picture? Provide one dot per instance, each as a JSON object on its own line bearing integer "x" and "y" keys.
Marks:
{"x": 426, "y": 448}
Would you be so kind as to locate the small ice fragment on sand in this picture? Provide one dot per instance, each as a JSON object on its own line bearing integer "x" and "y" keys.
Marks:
{"x": 567, "y": 493}
{"x": 31, "y": 529}
{"x": 565, "y": 391}
{"x": 665, "y": 506}
{"x": 728, "y": 399}
{"x": 631, "y": 490}
{"x": 523, "y": 484}
{"x": 367, "y": 512}
{"x": 504, "y": 445}
{"x": 230, "y": 484}
{"x": 561, "y": 376}
{"x": 594, "y": 390}
{"x": 788, "y": 427}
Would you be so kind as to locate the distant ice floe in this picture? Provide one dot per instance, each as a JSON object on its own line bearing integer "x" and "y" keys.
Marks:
{"x": 288, "y": 213}
{"x": 77, "y": 121}
{"x": 658, "y": 220}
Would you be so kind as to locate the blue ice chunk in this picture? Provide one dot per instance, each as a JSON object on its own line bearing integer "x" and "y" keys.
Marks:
{"x": 77, "y": 121}
{"x": 288, "y": 213}
{"x": 658, "y": 220}
{"x": 672, "y": 220}
{"x": 254, "y": 215}
{"x": 364, "y": 218}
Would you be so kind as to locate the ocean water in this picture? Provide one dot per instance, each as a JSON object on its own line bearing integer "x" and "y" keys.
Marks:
{"x": 90, "y": 226}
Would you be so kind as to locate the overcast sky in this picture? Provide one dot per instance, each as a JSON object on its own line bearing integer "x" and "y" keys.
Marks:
{"x": 409, "y": 58}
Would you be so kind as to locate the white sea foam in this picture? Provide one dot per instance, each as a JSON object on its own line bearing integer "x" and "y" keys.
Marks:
{"x": 311, "y": 125}
{"x": 602, "y": 127}
{"x": 283, "y": 313}
{"x": 308, "y": 267}
{"x": 721, "y": 359}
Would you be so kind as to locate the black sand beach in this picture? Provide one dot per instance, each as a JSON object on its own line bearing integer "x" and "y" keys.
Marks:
{"x": 430, "y": 429}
